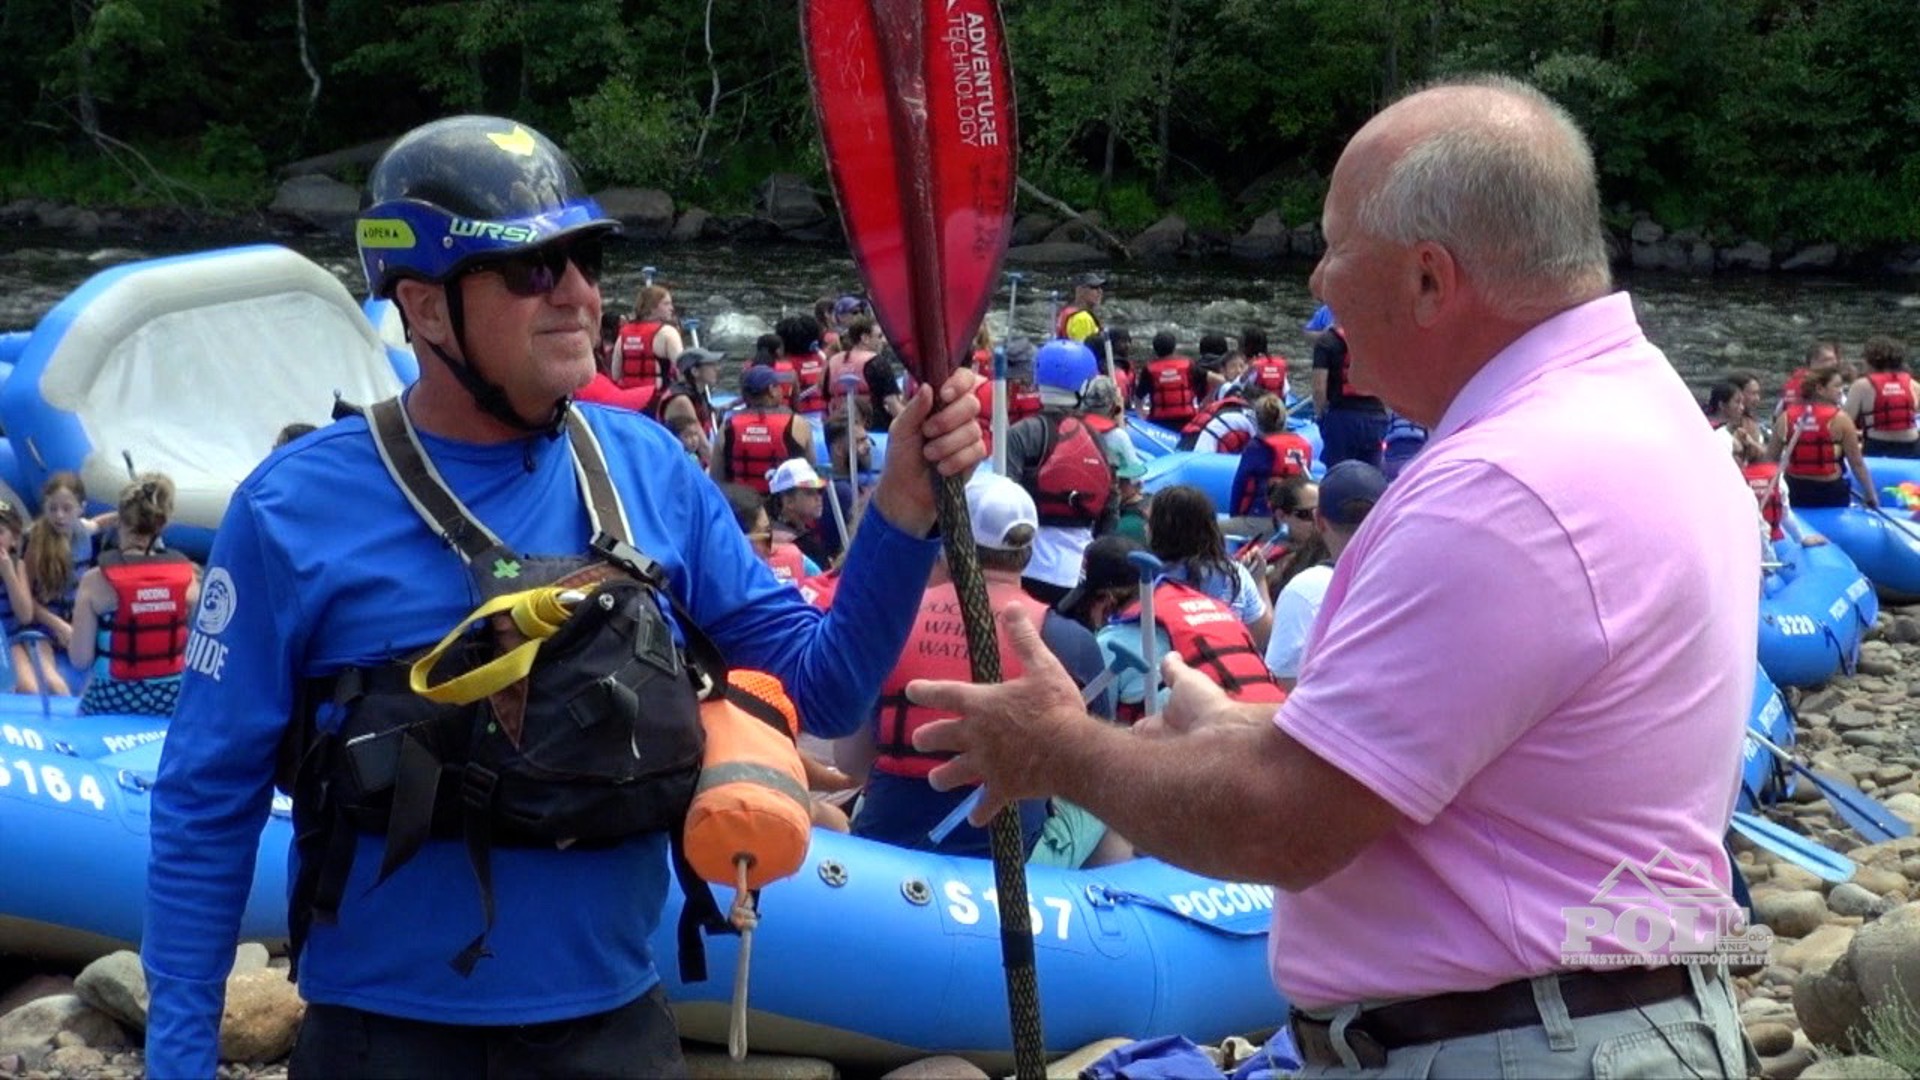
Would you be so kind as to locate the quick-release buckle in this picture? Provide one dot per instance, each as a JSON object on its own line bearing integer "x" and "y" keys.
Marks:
{"x": 628, "y": 558}
{"x": 477, "y": 783}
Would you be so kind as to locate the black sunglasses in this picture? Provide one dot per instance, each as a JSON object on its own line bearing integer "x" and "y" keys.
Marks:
{"x": 538, "y": 272}
{"x": 1304, "y": 513}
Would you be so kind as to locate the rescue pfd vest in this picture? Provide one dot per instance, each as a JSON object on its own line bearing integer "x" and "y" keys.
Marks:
{"x": 1816, "y": 453}
{"x": 1212, "y": 640}
{"x": 1210, "y": 419}
{"x": 787, "y": 561}
{"x": 146, "y": 632}
{"x": 936, "y": 649}
{"x": 758, "y": 440}
{"x": 847, "y": 376}
{"x": 1274, "y": 456}
{"x": 1170, "y": 390}
{"x": 1760, "y": 477}
{"x": 1268, "y": 372}
{"x": 1892, "y": 401}
{"x": 1023, "y": 400}
{"x": 568, "y": 718}
{"x": 1066, "y": 316}
{"x": 1071, "y": 482}
{"x": 702, "y": 405}
{"x": 635, "y": 363}
{"x": 809, "y": 369}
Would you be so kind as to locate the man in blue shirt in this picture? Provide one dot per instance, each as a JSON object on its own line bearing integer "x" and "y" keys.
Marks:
{"x": 480, "y": 232}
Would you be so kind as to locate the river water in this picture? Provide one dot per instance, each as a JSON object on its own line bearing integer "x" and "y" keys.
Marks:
{"x": 1707, "y": 325}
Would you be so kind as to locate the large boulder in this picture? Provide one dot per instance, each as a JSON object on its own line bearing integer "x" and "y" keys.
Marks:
{"x": 116, "y": 985}
{"x": 1815, "y": 257}
{"x": 1078, "y": 230}
{"x": 1752, "y": 255}
{"x": 644, "y": 213}
{"x": 319, "y": 201}
{"x": 1830, "y": 1007}
{"x": 1264, "y": 240}
{"x": 693, "y": 225}
{"x": 1885, "y": 957}
{"x": 1033, "y": 227}
{"x": 1162, "y": 241}
{"x": 789, "y": 202}
{"x": 34, "y": 1029}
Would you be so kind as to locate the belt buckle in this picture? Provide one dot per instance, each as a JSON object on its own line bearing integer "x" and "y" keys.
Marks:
{"x": 1314, "y": 1039}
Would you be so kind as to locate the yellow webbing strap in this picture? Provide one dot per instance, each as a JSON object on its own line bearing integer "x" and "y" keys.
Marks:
{"x": 537, "y": 613}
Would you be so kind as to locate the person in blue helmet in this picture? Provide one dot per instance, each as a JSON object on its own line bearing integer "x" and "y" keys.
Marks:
{"x": 456, "y": 909}
{"x": 1061, "y": 456}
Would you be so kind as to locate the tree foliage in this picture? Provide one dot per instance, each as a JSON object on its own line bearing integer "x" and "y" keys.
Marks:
{"x": 1763, "y": 118}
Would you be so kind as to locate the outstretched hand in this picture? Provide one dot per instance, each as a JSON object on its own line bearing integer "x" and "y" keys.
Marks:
{"x": 924, "y": 441}
{"x": 1193, "y": 701}
{"x": 1002, "y": 732}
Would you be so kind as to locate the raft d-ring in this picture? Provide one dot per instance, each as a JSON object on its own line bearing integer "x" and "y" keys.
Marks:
{"x": 917, "y": 892}
{"x": 1099, "y": 897}
{"x": 133, "y": 781}
{"x": 62, "y": 746}
{"x": 833, "y": 873}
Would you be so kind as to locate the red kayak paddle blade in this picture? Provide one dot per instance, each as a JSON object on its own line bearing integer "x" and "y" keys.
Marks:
{"x": 915, "y": 102}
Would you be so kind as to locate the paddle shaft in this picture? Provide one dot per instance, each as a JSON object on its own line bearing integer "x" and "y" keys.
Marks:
{"x": 1869, "y": 817}
{"x": 1825, "y": 864}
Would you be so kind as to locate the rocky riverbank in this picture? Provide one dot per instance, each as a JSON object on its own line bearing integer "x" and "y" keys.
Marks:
{"x": 1838, "y": 986}
{"x": 787, "y": 208}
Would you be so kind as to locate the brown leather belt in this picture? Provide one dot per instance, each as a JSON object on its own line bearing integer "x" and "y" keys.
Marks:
{"x": 1458, "y": 1016}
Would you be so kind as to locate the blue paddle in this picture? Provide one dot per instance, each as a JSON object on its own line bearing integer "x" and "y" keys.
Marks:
{"x": 1791, "y": 846}
{"x": 1150, "y": 568}
{"x": 1868, "y": 816}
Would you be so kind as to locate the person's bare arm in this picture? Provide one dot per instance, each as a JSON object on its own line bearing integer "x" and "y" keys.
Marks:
{"x": 1849, "y": 438}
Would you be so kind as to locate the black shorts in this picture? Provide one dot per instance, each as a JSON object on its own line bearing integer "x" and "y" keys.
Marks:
{"x": 1889, "y": 448}
{"x": 1813, "y": 494}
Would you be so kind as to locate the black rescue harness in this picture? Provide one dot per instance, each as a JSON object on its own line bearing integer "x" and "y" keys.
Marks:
{"x": 600, "y": 742}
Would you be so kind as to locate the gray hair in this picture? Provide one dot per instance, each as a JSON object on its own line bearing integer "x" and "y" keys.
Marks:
{"x": 1519, "y": 207}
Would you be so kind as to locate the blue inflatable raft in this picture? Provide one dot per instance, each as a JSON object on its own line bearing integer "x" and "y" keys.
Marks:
{"x": 189, "y": 365}
{"x": 1884, "y": 544}
{"x": 1815, "y": 608}
{"x": 1763, "y": 779}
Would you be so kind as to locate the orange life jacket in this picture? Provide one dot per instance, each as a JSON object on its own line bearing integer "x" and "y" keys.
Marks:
{"x": 1208, "y": 635}
{"x": 634, "y": 361}
{"x": 758, "y": 440}
{"x": 1767, "y": 493}
{"x": 936, "y": 649}
{"x": 1816, "y": 453}
{"x": 1892, "y": 401}
{"x": 146, "y": 634}
{"x": 1170, "y": 390}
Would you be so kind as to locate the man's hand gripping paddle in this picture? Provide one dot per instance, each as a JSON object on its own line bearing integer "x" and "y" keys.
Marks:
{"x": 915, "y": 103}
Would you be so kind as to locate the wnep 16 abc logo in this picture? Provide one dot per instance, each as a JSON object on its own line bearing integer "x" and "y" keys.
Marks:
{"x": 1662, "y": 911}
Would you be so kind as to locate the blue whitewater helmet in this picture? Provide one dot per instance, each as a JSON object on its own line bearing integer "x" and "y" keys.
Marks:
{"x": 1064, "y": 364}
{"x": 453, "y": 193}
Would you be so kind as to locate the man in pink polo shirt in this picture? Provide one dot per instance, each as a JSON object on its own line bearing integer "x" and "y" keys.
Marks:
{"x": 1495, "y": 801}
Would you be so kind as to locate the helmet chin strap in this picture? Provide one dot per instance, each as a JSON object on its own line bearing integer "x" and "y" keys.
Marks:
{"x": 489, "y": 395}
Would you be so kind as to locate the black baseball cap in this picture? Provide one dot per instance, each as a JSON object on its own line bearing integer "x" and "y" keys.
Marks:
{"x": 1103, "y": 566}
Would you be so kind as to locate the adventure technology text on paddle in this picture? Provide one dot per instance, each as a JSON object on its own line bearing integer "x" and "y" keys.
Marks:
{"x": 915, "y": 104}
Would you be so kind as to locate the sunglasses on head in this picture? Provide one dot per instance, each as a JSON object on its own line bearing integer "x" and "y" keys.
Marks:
{"x": 538, "y": 272}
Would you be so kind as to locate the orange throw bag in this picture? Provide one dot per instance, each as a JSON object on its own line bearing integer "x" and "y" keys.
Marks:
{"x": 751, "y": 805}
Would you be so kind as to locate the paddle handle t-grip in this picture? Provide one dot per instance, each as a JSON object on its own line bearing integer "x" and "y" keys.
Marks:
{"x": 1150, "y": 568}
{"x": 646, "y": 275}
{"x": 693, "y": 331}
{"x": 998, "y": 422}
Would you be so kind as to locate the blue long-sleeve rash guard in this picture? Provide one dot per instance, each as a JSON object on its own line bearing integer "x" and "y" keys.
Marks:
{"x": 319, "y": 565}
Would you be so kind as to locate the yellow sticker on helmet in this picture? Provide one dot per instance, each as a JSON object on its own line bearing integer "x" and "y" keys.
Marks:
{"x": 386, "y": 233}
{"x": 518, "y": 141}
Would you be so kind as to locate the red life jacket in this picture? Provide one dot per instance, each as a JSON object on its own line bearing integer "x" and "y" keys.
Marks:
{"x": 936, "y": 649}
{"x": 1760, "y": 478}
{"x": 818, "y": 590}
{"x": 1816, "y": 453}
{"x": 1100, "y": 422}
{"x": 1892, "y": 401}
{"x": 809, "y": 369}
{"x": 1210, "y": 419}
{"x": 1170, "y": 390}
{"x": 1278, "y": 456}
{"x": 1066, "y": 315}
{"x": 1790, "y": 393}
{"x": 1207, "y": 635}
{"x": 634, "y": 361}
{"x": 1268, "y": 372}
{"x": 787, "y": 381}
{"x": 758, "y": 440}
{"x": 1123, "y": 381}
{"x": 788, "y": 563}
{"x": 1072, "y": 482}
{"x": 1023, "y": 400}
{"x": 147, "y": 633}
{"x": 845, "y": 376}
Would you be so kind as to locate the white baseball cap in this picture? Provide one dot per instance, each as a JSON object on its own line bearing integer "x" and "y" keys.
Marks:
{"x": 794, "y": 473}
{"x": 996, "y": 506}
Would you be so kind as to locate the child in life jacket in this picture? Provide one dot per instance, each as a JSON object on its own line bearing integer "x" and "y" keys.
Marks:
{"x": 59, "y": 548}
{"x": 17, "y": 598}
{"x": 130, "y": 613}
